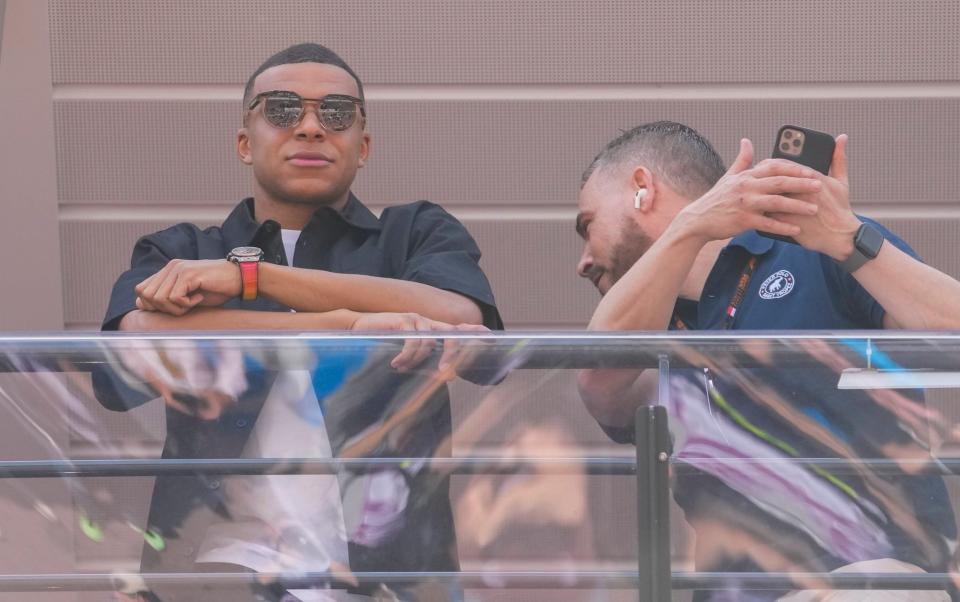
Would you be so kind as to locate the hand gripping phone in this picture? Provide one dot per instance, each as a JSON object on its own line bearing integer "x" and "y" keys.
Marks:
{"x": 806, "y": 147}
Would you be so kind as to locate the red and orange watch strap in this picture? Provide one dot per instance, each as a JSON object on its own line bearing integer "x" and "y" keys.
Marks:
{"x": 248, "y": 276}
{"x": 248, "y": 260}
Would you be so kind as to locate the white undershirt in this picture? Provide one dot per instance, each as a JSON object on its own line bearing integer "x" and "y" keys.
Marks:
{"x": 290, "y": 238}
{"x": 289, "y": 522}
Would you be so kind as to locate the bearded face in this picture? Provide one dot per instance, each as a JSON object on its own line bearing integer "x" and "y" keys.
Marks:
{"x": 630, "y": 246}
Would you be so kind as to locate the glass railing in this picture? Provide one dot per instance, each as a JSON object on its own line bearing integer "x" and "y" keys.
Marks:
{"x": 332, "y": 467}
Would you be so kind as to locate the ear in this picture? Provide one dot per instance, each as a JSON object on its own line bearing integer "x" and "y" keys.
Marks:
{"x": 243, "y": 146}
{"x": 643, "y": 189}
{"x": 364, "y": 149}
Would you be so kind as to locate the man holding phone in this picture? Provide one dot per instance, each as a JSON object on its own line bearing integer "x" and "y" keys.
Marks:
{"x": 671, "y": 242}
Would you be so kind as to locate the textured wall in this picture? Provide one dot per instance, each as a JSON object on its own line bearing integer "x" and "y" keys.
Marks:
{"x": 30, "y": 283}
{"x": 493, "y": 109}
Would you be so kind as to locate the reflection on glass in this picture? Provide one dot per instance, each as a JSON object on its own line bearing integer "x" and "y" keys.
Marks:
{"x": 353, "y": 466}
{"x": 756, "y": 501}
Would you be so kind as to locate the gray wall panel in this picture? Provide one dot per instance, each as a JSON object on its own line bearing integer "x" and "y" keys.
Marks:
{"x": 94, "y": 254}
{"x": 510, "y": 41}
{"x": 155, "y": 152}
{"x": 3, "y": 9}
{"x": 935, "y": 240}
{"x": 28, "y": 194}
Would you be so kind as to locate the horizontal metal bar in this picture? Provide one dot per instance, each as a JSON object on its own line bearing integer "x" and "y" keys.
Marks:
{"x": 517, "y": 350}
{"x": 837, "y": 466}
{"x": 780, "y": 581}
{"x": 918, "y": 337}
{"x": 29, "y": 469}
{"x": 483, "y": 580}
{"x": 467, "y": 579}
{"x": 37, "y": 469}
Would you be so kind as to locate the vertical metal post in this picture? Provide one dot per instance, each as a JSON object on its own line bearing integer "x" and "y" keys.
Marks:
{"x": 653, "y": 496}
{"x": 663, "y": 381}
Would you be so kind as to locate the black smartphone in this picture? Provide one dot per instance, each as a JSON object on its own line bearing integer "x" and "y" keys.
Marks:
{"x": 806, "y": 147}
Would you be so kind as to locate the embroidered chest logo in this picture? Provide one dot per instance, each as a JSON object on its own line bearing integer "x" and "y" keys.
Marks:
{"x": 777, "y": 285}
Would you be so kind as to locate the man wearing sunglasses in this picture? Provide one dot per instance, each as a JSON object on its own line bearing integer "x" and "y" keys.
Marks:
{"x": 303, "y": 253}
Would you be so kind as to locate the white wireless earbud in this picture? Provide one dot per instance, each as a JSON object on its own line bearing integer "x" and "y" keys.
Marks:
{"x": 641, "y": 192}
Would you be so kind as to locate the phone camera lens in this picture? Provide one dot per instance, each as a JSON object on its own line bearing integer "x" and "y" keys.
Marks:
{"x": 788, "y": 134}
{"x": 796, "y": 142}
{"x": 785, "y": 147}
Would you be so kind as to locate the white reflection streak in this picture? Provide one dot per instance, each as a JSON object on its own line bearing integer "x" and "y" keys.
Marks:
{"x": 30, "y": 421}
{"x": 781, "y": 489}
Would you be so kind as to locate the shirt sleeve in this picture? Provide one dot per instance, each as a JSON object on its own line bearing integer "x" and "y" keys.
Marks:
{"x": 150, "y": 254}
{"x": 442, "y": 254}
{"x": 862, "y": 306}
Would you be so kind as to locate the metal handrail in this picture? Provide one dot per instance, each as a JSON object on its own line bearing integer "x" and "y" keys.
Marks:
{"x": 483, "y": 580}
{"x": 593, "y": 465}
{"x": 39, "y": 469}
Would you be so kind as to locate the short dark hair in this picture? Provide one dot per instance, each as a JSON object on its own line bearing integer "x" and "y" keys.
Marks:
{"x": 673, "y": 151}
{"x": 301, "y": 53}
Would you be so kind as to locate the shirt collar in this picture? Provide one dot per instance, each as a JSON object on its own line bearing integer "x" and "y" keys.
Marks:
{"x": 241, "y": 227}
{"x": 752, "y": 242}
{"x": 357, "y": 215}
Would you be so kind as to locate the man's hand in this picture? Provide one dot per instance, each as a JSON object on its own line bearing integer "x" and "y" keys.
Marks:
{"x": 191, "y": 380}
{"x": 831, "y": 230}
{"x": 742, "y": 199}
{"x": 184, "y": 284}
{"x": 417, "y": 349}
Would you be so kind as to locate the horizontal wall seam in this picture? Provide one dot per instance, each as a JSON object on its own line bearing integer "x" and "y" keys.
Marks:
{"x": 544, "y": 92}
{"x": 188, "y": 212}
{"x": 513, "y": 212}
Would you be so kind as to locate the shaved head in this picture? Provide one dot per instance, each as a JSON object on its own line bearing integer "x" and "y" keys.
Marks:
{"x": 676, "y": 153}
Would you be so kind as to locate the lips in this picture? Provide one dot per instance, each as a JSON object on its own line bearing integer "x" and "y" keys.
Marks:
{"x": 310, "y": 159}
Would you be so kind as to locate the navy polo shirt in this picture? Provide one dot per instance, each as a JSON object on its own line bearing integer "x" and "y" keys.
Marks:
{"x": 791, "y": 289}
{"x": 419, "y": 242}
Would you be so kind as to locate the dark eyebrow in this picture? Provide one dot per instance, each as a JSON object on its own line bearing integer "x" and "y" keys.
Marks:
{"x": 581, "y": 225}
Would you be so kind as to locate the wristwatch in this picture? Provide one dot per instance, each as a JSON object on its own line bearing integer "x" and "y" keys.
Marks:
{"x": 866, "y": 246}
{"x": 248, "y": 259}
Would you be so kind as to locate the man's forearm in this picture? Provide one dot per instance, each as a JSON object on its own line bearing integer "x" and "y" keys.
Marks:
{"x": 914, "y": 295}
{"x": 322, "y": 291}
{"x": 204, "y": 318}
{"x": 644, "y": 298}
{"x": 612, "y": 395}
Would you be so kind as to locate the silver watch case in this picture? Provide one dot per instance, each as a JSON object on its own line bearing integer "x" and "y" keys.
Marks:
{"x": 245, "y": 254}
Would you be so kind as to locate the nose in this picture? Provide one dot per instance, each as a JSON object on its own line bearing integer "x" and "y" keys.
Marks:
{"x": 309, "y": 127}
{"x": 585, "y": 265}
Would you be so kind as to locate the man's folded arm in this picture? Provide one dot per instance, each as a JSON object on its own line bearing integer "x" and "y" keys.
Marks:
{"x": 441, "y": 278}
{"x": 150, "y": 255}
{"x": 215, "y": 318}
{"x": 644, "y": 298}
{"x": 438, "y": 277}
{"x": 319, "y": 291}
{"x": 612, "y": 397}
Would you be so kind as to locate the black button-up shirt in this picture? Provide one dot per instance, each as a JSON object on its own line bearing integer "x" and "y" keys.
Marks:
{"x": 419, "y": 242}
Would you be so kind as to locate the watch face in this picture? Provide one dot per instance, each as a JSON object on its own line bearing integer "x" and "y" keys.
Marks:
{"x": 246, "y": 254}
{"x": 868, "y": 241}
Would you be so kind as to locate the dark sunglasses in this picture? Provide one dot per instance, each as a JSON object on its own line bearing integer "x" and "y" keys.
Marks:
{"x": 284, "y": 109}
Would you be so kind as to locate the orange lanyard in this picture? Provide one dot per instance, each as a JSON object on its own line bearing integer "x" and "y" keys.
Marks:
{"x": 735, "y": 301}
